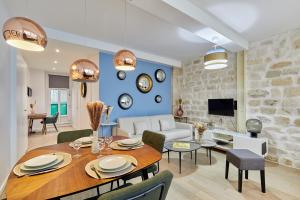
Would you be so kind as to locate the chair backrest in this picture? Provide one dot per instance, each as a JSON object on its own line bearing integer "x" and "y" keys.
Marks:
{"x": 70, "y": 136}
{"x": 52, "y": 119}
{"x": 155, "y": 188}
{"x": 155, "y": 140}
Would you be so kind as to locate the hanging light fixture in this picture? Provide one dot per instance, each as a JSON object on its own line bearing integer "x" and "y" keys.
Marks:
{"x": 124, "y": 59}
{"x": 216, "y": 58}
{"x": 84, "y": 70}
{"x": 24, "y": 33}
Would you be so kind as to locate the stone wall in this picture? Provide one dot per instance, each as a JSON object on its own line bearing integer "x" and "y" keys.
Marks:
{"x": 195, "y": 86}
{"x": 273, "y": 94}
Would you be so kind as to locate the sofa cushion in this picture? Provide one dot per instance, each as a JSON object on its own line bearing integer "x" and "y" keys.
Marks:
{"x": 175, "y": 134}
{"x": 140, "y": 127}
{"x": 167, "y": 124}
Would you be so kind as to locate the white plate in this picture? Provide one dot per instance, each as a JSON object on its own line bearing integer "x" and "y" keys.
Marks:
{"x": 112, "y": 162}
{"x": 40, "y": 160}
{"x": 127, "y": 165}
{"x": 131, "y": 141}
{"x": 84, "y": 139}
{"x": 59, "y": 159}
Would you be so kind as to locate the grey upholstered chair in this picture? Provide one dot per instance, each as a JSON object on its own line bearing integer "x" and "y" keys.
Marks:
{"x": 70, "y": 136}
{"x": 155, "y": 188}
{"x": 49, "y": 120}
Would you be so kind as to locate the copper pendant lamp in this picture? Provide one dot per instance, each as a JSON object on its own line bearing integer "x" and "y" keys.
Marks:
{"x": 84, "y": 70}
{"x": 124, "y": 59}
{"x": 24, "y": 33}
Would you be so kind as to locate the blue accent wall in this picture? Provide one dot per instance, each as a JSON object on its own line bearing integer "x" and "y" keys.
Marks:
{"x": 143, "y": 104}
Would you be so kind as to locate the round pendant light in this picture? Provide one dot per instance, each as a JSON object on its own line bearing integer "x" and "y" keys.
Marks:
{"x": 84, "y": 70}
{"x": 216, "y": 59}
{"x": 125, "y": 60}
{"x": 23, "y": 33}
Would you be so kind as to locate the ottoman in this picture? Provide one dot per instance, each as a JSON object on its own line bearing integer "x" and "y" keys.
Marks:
{"x": 245, "y": 160}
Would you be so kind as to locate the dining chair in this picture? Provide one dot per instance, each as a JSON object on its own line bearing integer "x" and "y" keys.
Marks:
{"x": 156, "y": 141}
{"x": 155, "y": 188}
{"x": 70, "y": 136}
{"x": 50, "y": 120}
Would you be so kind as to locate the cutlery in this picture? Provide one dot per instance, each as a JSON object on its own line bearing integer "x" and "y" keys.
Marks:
{"x": 133, "y": 164}
{"x": 95, "y": 170}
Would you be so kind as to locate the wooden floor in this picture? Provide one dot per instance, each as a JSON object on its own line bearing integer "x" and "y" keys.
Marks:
{"x": 207, "y": 182}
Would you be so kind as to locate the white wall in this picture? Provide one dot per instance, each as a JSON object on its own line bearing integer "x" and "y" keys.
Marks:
{"x": 8, "y": 110}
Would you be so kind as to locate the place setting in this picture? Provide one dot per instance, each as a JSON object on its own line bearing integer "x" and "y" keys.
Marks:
{"x": 111, "y": 166}
{"x": 127, "y": 144}
{"x": 42, "y": 164}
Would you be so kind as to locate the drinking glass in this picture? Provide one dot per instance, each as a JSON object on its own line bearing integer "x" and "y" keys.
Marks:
{"x": 108, "y": 140}
{"x": 101, "y": 147}
{"x": 76, "y": 145}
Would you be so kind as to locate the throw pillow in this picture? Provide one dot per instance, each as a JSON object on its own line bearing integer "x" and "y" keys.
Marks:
{"x": 140, "y": 127}
{"x": 166, "y": 124}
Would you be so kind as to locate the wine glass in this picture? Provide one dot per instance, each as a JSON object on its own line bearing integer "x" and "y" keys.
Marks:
{"x": 101, "y": 147}
{"x": 108, "y": 140}
{"x": 76, "y": 145}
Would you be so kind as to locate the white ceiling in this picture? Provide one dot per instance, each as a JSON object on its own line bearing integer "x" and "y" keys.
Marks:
{"x": 157, "y": 27}
{"x": 68, "y": 53}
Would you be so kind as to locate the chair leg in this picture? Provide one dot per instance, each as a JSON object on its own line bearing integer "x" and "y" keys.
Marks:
{"x": 226, "y": 169}
{"x": 157, "y": 167}
{"x": 262, "y": 181}
{"x": 55, "y": 127}
{"x": 246, "y": 174}
{"x": 44, "y": 130}
{"x": 240, "y": 182}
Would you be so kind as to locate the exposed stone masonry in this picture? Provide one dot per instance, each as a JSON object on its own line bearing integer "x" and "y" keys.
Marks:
{"x": 273, "y": 94}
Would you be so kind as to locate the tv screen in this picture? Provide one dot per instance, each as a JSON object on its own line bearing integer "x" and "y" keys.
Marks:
{"x": 224, "y": 107}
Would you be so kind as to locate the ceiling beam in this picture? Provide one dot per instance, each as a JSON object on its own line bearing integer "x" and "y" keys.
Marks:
{"x": 193, "y": 11}
{"x": 107, "y": 47}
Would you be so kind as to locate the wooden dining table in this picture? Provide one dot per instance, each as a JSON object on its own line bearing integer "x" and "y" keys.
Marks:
{"x": 73, "y": 177}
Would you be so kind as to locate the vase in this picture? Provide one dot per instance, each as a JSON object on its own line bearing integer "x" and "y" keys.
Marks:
{"x": 95, "y": 143}
{"x": 179, "y": 111}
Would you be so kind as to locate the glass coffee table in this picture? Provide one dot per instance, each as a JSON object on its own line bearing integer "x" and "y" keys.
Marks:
{"x": 182, "y": 147}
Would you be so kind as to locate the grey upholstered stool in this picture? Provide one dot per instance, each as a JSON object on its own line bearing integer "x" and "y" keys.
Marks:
{"x": 245, "y": 159}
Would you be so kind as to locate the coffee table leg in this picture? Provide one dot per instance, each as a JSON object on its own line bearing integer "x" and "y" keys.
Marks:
{"x": 168, "y": 156}
{"x": 195, "y": 157}
{"x": 209, "y": 149}
{"x": 179, "y": 162}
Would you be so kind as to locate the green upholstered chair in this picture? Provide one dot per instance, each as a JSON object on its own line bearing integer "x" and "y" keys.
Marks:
{"x": 155, "y": 188}
{"x": 70, "y": 136}
{"x": 156, "y": 141}
{"x": 49, "y": 120}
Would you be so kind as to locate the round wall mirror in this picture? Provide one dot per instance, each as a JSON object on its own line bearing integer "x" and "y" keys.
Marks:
{"x": 144, "y": 83}
{"x": 160, "y": 75}
{"x": 121, "y": 75}
{"x": 158, "y": 98}
{"x": 125, "y": 101}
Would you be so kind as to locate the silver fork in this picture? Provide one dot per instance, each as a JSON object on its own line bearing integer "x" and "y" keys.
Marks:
{"x": 95, "y": 170}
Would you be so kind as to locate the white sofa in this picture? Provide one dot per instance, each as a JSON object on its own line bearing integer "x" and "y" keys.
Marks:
{"x": 164, "y": 124}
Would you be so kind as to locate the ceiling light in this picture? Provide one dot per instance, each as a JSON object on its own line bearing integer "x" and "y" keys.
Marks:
{"x": 216, "y": 58}
{"x": 23, "y": 33}
{"x": 125, "y": 60}
{"x": 57, "y": 50}
{"x": 55, "y": 62}
{"x": 84, "y": 70}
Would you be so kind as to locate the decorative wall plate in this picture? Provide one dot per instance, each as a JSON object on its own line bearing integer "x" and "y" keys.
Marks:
{"x": 121, "y": 75}
{"x": 158, "y": 98}
{"x": 83, "y": 89}
{"x": 160, "y": 75}
{"x": 144, "y": 83}
{"x": 125, "y": 101}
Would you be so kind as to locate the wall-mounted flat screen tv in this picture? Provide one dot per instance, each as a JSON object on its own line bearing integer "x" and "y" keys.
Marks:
{"x": 224, "y": 107}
